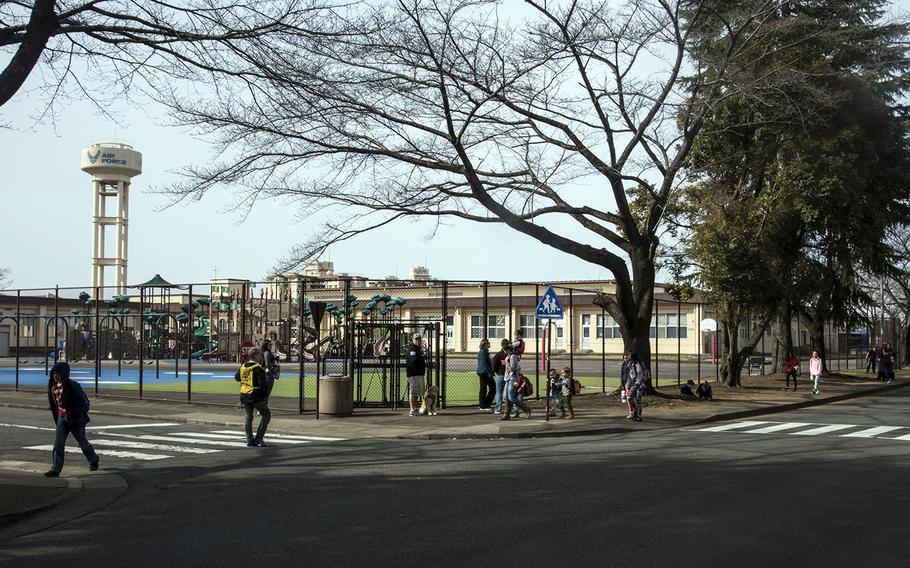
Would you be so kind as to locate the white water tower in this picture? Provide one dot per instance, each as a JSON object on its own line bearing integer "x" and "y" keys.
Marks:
{"x": 112, "y": 166}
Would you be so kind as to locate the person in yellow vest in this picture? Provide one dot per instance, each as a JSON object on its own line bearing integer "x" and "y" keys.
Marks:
{"x": 253, "y": 395}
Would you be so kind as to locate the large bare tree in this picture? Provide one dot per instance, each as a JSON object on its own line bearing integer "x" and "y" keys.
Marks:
{"x": 582, "y": 110}
{"x": 103, "y": 48}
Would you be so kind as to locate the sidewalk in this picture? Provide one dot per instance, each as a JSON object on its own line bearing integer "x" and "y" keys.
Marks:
{"x": 22, "y": 493}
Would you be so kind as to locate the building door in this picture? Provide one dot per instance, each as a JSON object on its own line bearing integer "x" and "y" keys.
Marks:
{"x": 4, "y": 341}
{"x": 586, "y": 331}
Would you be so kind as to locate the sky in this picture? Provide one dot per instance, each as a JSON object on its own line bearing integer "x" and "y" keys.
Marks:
{"x": 47, "y": 224}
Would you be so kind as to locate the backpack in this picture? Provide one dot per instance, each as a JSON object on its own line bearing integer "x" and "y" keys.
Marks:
{"x": 576, "y": 386}
{"x": 525, "y": 387}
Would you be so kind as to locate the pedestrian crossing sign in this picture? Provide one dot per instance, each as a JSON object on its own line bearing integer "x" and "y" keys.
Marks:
{"x": 549, "y": 306}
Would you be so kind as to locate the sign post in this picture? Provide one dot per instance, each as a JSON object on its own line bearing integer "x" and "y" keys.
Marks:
{"x": 548, "y": 308}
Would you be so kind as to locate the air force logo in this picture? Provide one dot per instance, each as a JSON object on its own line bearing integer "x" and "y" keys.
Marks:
{"x": 93, "y": 158}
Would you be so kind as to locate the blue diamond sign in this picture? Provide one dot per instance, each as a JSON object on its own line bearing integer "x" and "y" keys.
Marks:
{"x": 549, "y": 306}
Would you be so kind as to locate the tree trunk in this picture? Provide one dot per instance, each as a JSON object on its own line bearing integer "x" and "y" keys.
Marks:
{"x": 731, "y": 366}
{"x": 783, "y": 339}
{"x": 816, "y": 329}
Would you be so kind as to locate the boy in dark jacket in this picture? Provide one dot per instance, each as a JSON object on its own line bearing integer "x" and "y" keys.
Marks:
{"x": 254, "y": 392}
{"x": 416, "y": 367}
{"x": 69, "y": 409}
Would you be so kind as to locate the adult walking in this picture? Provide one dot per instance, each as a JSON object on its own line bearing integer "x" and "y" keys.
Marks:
{"x": 416, "y": 367}
{"x": 254, "y": 396}
{"x": 624, "y": 385}
{"x": 886, "y": 363}
{"x": 871, "y": 359}
{"x": 792, "y": 364}
{"x": 499, "y": 369}
{"x": 69, "y": 408}
{"x": 485, "y": 374}
{"x": 270, "y": 366}
{"x": 815, "y": 369}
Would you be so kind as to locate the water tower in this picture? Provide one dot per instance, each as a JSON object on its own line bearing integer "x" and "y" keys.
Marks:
{"x": 112, "y": 166}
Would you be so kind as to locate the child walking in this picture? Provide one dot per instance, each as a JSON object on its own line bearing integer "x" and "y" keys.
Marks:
{"x": 815, "y": 369}
{"x": 554, "y": 390}
{"x": 567, "y": 384}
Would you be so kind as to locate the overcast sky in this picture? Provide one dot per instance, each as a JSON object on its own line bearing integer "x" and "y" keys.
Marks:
{"x": 47, "y": 225}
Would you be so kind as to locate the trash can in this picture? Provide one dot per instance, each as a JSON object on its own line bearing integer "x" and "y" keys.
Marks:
{"x": 336, "y": 395}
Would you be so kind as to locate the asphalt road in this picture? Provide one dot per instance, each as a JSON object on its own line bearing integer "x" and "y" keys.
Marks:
{"x": 815, "y": 487}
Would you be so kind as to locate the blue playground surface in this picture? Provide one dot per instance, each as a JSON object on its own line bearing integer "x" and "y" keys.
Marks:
{"x": 33, "y": 375}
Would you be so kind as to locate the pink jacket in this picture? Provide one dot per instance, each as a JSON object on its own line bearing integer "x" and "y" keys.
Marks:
{"x": 815, "y": 366}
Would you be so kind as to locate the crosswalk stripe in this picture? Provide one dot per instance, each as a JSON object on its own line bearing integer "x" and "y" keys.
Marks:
{"x": 291, "y": 437}
{"x": 904, "y": 437}
{"x": 125, "y": 426}
{"x": 777, "y": 428}
{"x": 823, "y": 430}
{"x": 732, "y": 426}
{"x": 26, "y": 427}
{"x": 178, "y": 439}
{"x": 105, "y": 452}
{"x": 871, "y": 432}
{"x": 147, "y": 446}
{"x": 234, "y": 436}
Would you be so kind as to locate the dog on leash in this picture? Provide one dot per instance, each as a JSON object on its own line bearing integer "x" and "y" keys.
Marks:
{"x": 430, "y": 401}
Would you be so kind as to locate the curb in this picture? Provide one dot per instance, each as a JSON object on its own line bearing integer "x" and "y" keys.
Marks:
{"x": 73, "y": 487}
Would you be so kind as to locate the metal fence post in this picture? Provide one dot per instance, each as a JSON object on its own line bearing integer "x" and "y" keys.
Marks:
{"x": 571, "y": 332}
{"x": 656, "y": 342}
{"x": 603, "y": 350}
{"x": 678, "y": 343}
{"x": 191, "y": 313}
{"x": 18, "y": 333}
{"x": 445, "y": 320}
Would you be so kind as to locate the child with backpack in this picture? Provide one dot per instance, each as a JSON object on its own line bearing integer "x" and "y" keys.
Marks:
{"x": 517, "y": 386}
{"x": 554, "y": 390}
{"x": 568, "y": 388}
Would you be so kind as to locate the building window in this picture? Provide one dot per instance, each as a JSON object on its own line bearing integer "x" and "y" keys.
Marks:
{"x": 607, "y": 326}
{"x": 669, "y": 326}
{"x": 450, "y": 328}
{"x": 528, "y": 324}
{"x": 28, "y": 327}
{"x": 496, "y": 327}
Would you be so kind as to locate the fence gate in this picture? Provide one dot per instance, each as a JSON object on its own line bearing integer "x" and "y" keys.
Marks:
{"x": 378, "y": 358}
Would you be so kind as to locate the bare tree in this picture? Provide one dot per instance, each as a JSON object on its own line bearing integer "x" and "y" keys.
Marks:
{"x": 449, "y": 108}
{"x": 5, "y": 279}
{"x": 129, "y": 44}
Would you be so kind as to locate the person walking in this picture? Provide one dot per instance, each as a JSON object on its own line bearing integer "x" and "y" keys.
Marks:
{"x": 624, "y": 385}
{"x": 270, "y": 366}
{"x": 499, "y": 369}
{"x": 553, "y": 390}
{"x": 637, "y": 382}
{"x": 415, "y": 367}
{"x": 792, "y": 369}
{"x": 871, "y": 359}
{"x": 815, "y": 369}
{"x": 514, "y": 385}
{"x": 254, "y": 396}
{"x": 485, "y": 374}
{"x": 886, "y": 363}
{"x": 567, "y": 386}
{"x": 69, "y": 408}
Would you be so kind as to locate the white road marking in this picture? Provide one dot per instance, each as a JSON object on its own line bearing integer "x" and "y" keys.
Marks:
{"x": 120, "y": 426}
{"x": 103, "y": 452}
{"x": 176, "y": 439}
{"x": 777, "y": 428}
{"x": 871, "y": 432}
{"x": 731, "y": 426}
{"x": 292, "y": 437}
{"x": 823, "y": 430}
{"x": 26, "y": 427}
{"x": 234, "y": 436}
{"x": 147, "y": 446}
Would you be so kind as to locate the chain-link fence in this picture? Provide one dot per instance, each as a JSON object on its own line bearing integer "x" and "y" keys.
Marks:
{"x": 184, "y": 342}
